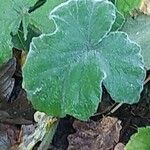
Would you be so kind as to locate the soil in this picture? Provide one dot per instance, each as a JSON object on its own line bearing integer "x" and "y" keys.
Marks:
{"x": 21, "y": 112}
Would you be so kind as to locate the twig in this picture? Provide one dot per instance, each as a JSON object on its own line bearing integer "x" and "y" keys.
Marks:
{"x": 115, "y": 108}
{"x": 104, "y": 111}
{"x": 147, "y": 80}
{"x": 49, "y": 136}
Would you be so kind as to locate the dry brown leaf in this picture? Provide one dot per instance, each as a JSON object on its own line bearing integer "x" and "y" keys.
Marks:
{"x": 7, "y": 70}
{"x": 9, "y": 135}
{"x": 33, "y": 134}
{"x": 4, "y": 141}
{"x": 95, "y": 135}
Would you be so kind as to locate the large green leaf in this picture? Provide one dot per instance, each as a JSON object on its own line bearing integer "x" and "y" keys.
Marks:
{"x": 126, "y": 6}
{"x": 140, "y": 140}
{"x": 139, "y": 30}
{"x": 64, "y": 70}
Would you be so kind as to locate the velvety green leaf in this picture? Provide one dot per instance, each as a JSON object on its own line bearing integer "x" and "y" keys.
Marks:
{"x": 5, "y": 52}
{"x": 123, "y": 66}
{"x": 139, "y": 30}
{"x": 64, "y": 70}
{"x": 7, "y": 23}
{"x": 126, "y": 6}
{"x": 140, "y": 140}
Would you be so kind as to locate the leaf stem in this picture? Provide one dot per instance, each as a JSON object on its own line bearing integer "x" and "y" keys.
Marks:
{"x": 48, "y": 136}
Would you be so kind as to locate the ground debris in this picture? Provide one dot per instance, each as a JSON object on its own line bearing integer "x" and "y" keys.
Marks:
{"x": 8, "y": 136}
{"x": 103, "y": 135}
{"x": 119, "y": 146}
{"x": 145, "y": 7}
{"x": 32, "y": 134}
{"x": 7, "y": 81}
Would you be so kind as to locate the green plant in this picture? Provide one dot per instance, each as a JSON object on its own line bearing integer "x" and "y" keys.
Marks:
{"x": 17, "y": 17}
{"x": 127, "y": 6}
{"x": 136, "y": 25}
{"x": 139, "y": 31}
{"x": 65, "y": 69}
{"x": 140, "y": 140}
{"x": 80, "y": 45}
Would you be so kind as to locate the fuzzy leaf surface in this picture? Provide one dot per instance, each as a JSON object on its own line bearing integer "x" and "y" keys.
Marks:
{"x": 139, "y": 31}
{"x": 64, "y": 70}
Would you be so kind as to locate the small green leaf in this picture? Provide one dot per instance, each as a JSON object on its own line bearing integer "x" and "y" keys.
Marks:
{"x": 64, "y": 70}
{"x": 126, "y": 6}
{"x": 11, "y": 14}
{"x": 35, "y": 23}
{"x": 140, "y": 140}
{"x": 19, "y": 41}
{"x": 120, "y": 20}
{"x": 139, "y": 30}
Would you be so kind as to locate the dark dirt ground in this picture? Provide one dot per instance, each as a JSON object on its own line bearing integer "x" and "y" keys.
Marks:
{"x": 17, "y": 110}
